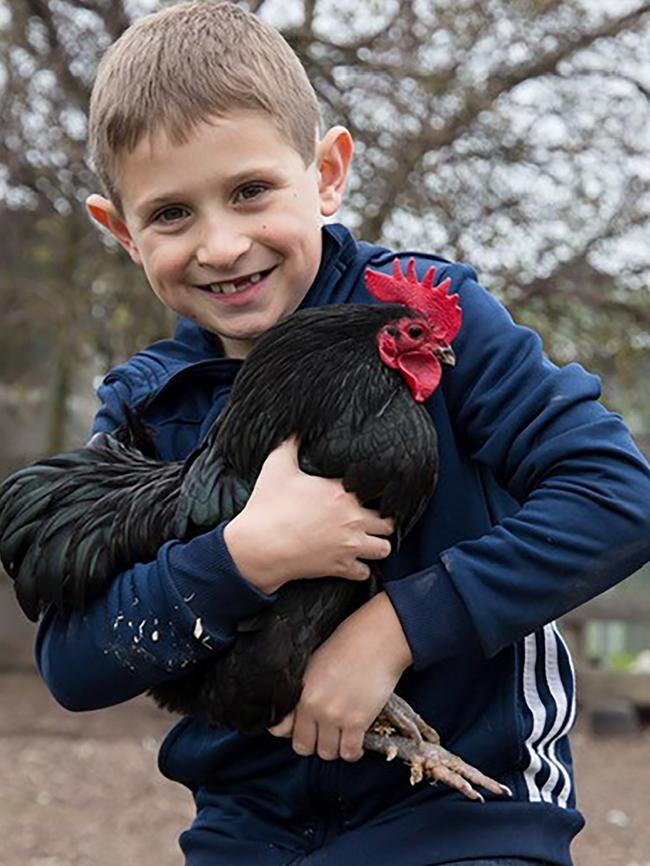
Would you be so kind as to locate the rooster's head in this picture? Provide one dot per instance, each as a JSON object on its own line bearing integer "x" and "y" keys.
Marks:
{"x": 417, "y": 346}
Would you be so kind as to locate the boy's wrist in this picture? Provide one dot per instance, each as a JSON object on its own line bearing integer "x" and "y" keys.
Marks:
{"x": 383, "y": 617}
{"x": 244, "y": 553}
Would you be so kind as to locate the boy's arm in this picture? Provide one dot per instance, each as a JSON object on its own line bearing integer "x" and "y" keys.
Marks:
{"x": 146, "y": 628}
{"x": 583, "y": 488}
{"x": 155, "y": 619}
{"x": 583, "y": 525}
{"x": 348, "y": 681}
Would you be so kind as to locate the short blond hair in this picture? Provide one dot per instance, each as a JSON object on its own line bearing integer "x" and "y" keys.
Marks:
{"x": 178, "y": 67}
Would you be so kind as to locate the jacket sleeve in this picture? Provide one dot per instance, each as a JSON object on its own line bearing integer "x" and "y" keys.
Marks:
{"x": 155, "y": 619}
{"x": 582, "y": 486}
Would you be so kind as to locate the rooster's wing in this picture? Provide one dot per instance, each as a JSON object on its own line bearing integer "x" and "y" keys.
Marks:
{"x": 388, "y": 458}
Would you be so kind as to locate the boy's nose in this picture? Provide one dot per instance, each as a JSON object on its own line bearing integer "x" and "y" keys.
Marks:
{"x": 221, "y": 248}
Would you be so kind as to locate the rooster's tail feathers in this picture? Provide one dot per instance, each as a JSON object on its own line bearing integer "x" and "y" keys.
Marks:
{"x": 59, "y": 520}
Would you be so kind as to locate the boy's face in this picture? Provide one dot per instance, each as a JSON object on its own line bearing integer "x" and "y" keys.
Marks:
{"x": 228, "y": 226}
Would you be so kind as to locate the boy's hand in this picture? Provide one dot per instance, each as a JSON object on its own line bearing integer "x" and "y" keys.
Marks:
{"x": 298, "y": 526}
{"x": 347, "y": 683}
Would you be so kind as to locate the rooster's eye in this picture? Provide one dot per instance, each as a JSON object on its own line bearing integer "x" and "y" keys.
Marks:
{"x": 415, "y": 331}
{"x": 392, "y": 331}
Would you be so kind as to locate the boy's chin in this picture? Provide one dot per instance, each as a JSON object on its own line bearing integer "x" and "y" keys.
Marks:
{"x": 236, "y": 346}
{"x": 238, "y": 341}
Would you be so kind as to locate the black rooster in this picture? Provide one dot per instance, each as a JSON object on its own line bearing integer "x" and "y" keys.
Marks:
{"x": 69, "y": 524}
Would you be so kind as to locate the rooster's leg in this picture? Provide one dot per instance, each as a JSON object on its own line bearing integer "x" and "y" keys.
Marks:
{"x": 420, "y": 748}
{"x": 400, "y": 716}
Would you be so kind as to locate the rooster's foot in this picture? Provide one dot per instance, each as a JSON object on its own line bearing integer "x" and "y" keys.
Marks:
{"x": 397, "y": 715}
{"x": 431, "y": 761}
{"x": 380, "y": 726}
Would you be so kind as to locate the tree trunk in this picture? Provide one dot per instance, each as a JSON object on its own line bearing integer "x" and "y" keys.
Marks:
{"x": 58, "y": 404}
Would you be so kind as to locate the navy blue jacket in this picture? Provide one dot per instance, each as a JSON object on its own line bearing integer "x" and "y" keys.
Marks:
{"x": 543, "y": 502}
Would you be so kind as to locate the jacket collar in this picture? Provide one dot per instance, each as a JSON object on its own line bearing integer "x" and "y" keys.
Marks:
{"x": 339, "y": 252}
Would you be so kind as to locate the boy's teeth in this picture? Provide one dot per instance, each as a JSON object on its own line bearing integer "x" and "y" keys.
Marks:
{"x": 231, "y": 288}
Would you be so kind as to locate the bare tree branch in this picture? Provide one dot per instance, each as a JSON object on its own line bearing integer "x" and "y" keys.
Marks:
{"x": 540, "y": 193}
{"x": 410, "y": 154}
{"x": 255, "y": 5}
{"x": 58, "y": 58}
{"x": 577, "y": 280}
{"x": 116, "y": 19}
{"x": 607, "y": 75}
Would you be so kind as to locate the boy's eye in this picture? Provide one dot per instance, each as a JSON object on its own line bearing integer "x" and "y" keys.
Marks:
{"x": 250, "y": 191}
{"x": 170, "y": 214}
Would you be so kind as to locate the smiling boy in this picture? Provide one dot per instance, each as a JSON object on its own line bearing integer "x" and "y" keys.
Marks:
{"x": 232, "y": 244}
{"x": 216, "y": 181}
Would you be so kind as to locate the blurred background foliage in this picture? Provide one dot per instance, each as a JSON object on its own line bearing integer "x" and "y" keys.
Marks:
{"x": 512, "y": 134}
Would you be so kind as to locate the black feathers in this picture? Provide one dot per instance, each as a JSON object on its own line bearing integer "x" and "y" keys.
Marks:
{"x": 70, "y": 524}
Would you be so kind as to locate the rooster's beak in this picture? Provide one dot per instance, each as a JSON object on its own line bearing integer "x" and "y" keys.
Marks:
{"x": 445, "y": 354}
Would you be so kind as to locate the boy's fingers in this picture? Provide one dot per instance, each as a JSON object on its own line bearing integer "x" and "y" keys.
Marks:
{"x": 357, "y": 570}
{"x": 329, "y": 741}
{"x": 376, "y": 525}
{"x": 352, "y": 744}
{"x": 285, "y": 727}
{"x": 376, "y": 548}
{"x": 305, "y": 735}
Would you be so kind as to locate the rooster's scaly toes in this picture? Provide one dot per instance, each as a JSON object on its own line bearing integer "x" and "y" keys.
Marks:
{"x": 432, "y": 761}
{"x": 440, "y": 765}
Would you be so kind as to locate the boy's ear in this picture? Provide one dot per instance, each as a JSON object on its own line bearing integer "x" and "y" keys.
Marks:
{"x": 103, "y": 211}
{"x": 333, "y": 160}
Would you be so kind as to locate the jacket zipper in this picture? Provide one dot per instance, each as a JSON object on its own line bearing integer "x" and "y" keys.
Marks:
{"x": 324, "y": 777}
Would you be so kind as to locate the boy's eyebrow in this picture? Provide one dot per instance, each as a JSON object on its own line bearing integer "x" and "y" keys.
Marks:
{"x": 143, "y": 207}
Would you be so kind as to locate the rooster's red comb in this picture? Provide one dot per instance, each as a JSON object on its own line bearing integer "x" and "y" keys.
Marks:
{"x": 441, "y": 310}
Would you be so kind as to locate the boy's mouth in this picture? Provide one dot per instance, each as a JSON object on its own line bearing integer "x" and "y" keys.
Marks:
{"x": 238, "y": 285}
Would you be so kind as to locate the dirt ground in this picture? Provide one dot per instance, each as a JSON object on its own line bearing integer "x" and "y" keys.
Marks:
{"x": 83, "y": 790}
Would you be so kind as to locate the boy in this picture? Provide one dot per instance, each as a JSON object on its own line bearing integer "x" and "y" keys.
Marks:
{"x": 204, "y": 133}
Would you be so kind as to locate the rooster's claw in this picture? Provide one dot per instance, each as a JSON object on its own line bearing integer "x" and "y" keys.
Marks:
{"x": 431, "y": 761}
